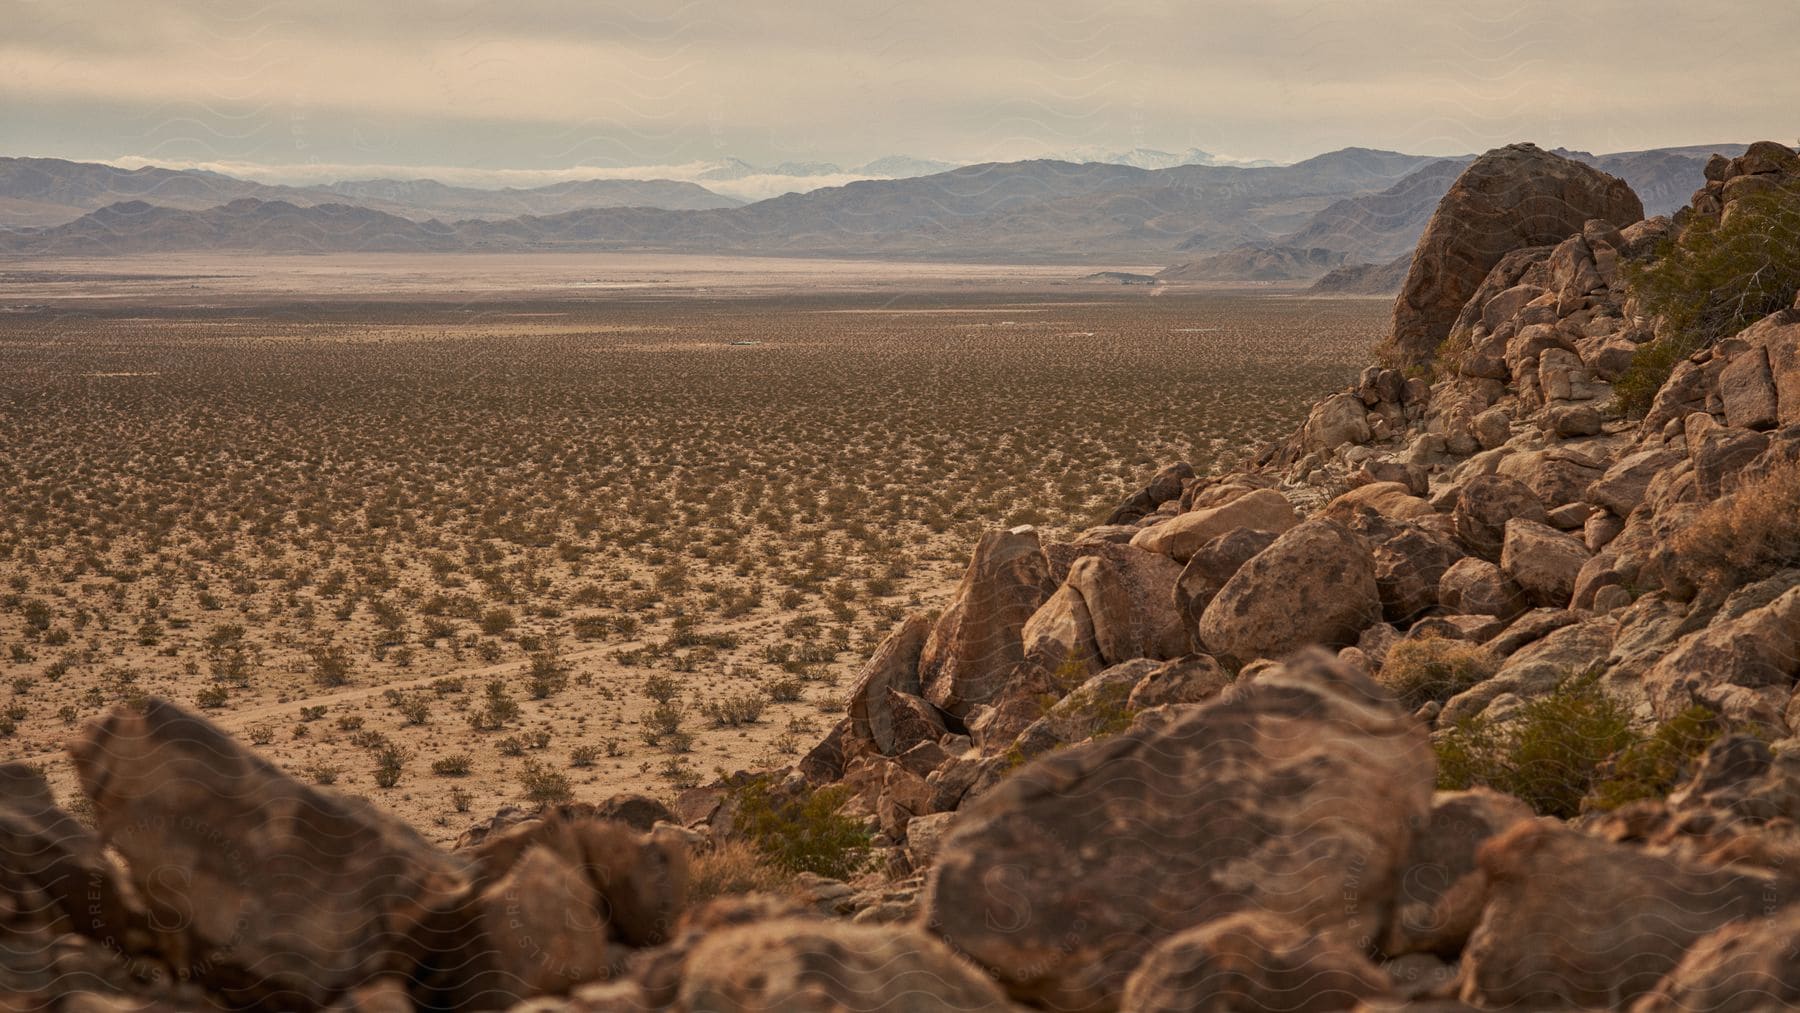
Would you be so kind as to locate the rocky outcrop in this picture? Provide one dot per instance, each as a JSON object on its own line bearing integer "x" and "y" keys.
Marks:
{"x": 1181, "y": 536}
{"x": 977, "y": 642}
{"x": 1214, "y": 799}
{"x": 1574, "y": 921}
{"x": 1747, "y": 967}
{"x": 1313, "y": 585}
{"x": 285, "y": 895}
{"x": 1252, "y": 961}
{"x": 1510, "y": 198}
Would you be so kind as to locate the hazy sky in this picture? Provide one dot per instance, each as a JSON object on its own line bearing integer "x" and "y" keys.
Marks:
{"x": 549, "y": 84}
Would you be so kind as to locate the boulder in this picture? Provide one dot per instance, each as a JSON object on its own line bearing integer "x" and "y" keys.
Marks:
{"x": 1743, "y": 667}
{"x": 1510, "y": 198}
{"x": 1409, "y": 568}
{"x": 1747, "y": 391}
{"x": 285, "y": 894}
{"x": 1252, "y": 961}
{"x": 1575, "y": 921}
{"x": 1745, "y": 967}
{"x": 1130, "y": 593}
{"x": 1556, "y": 476}
{"x": 1621, "y": 487}
{"x": 1165, "y": 485}
{"x": 1779, "y": 335}
{"x": 1193, "y": 679}
{"x": 1477, "y": 587}
{"x": 1542, "y": 561}
{"x": 1183, "y": 535}
{"x": 1335, "y": 421}
{"x": 1485, "y": 504}
{"x": 1313, "y": 585}
{"x": 813, "y": 964}
{"x": 55, "y": 871}
{"x": 1393, "y": 500}
{"x": 1295, "y": 795}
{"x": 1212, "y": 567}
{"x": 893, "y": 669}
{"x": 1441, "y": 890}
{"x": 977, "y": 641}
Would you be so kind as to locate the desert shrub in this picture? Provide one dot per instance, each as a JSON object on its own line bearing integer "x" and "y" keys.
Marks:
{"x": 497, "y": 620}
{"x": 1424, "y": 669}
{"x": 661, "y": 688}
{"x": 390, "y": 762}
{"x": 805, "y": 832}
{"x": 461, "y": 799}
{"x": 1651, "y": 766}
{"x": 323, "y": 773}
{"x": 584, "y": 756}
{"x": 734, "y": 867}
{"x": 783, "y": 689}
{"x": 547, "y": 676}
{"x": 213, "y": 697}
{"x": 544, "y": 786}
{"x": 261, "y": 734}
{"x": 454, "y": 765}
{"x": 1748, "y": 534}
{"x": 1548, "y": 753}
{"x": 331, "y": 665}
{"x": 1710, "y": 282}
{"x": 736, "y": 709}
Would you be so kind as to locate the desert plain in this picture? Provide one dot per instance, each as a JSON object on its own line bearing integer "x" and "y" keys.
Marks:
{"x": 453, "y": 532}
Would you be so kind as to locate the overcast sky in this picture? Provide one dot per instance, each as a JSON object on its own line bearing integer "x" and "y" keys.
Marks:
{"x": 551, "y": 84}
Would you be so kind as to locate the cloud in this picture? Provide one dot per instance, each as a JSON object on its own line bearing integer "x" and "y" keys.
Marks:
{"x": 557, "y": 83}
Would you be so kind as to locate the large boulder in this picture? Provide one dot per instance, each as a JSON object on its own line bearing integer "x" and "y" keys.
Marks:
{"x": 1441, "y": 889}
{"x": 893, "y": 670}
{"x": 1296, "y": 794}
{"x": 1212, "y": 567}
{"x": 1485, "y": 504}
{"x": 1167, "y": 484}
{"x": 1779, "y": 335}
{"x": 54, "y": 872}
{"x": 1746, "y": 967}
{"x": 1542, "y": 561}
{"x": 1572, "y": 920}
{"x": 1741, "y": 666}
{"x": 1181, "y": 536}
{"x": 977, "y": 641}
{"x": 285, "y": 894}
{"x": 1509, "y": 198}
{"x": 1252, "y": 961}
{"x": 806, "y": 964}
{"x": 1313, "y": 585}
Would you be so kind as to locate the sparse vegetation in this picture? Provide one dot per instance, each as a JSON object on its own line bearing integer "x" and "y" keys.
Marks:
{"x": 804, "y": 833}
{"x": 1710, "y": 282}
{"x": 1748, "y": 534}
{"x": 1425, "y": 669}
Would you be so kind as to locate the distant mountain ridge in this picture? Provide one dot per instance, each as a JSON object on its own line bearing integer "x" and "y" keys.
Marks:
{"x": 1359, "y": 205}
{"x": 50, "y": 191}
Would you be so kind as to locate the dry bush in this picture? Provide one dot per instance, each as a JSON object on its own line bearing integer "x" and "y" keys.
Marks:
{"x": 1425, "y": 669}
{"x": 733, "y": 867}
{"x": 1748, "y": 534}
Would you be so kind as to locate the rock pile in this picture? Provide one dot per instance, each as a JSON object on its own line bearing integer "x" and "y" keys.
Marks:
{"x": 1163, "y": 765}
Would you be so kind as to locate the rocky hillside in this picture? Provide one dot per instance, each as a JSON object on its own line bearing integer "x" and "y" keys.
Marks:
{"x": 1478, "y": 692}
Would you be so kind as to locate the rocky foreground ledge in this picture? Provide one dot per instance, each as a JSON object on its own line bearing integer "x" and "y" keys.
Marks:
{"x": 1474, "y": 694}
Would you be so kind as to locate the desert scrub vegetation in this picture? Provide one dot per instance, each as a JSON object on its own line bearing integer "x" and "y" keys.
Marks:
{"x": 1426, "y": 669}
{"x": 1572, "y": 750}
{"x": 732, "y": 867}
{"x": 1749, "y": 534}
{"x": 314, "y": 507}
{"x": 803, "y": 832}
{"x": 1709, "y": 282}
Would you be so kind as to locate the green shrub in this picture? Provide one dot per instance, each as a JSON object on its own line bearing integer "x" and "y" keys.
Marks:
{"x": 1710, "y": 282}
{"x": 805, "y": 833}
{"x": 1652, "y": 766}
{"x": 1425, "y": 669}
{"x": 454, "y": 765}
{"x": 544, "y": 786}
{"x": 1548, "y": 753}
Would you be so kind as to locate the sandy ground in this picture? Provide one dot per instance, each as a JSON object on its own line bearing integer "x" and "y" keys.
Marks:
{"x": 722, "y": 477}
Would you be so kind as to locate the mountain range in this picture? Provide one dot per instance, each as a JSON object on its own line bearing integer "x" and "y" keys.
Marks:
{"x": 1270, "y": 222}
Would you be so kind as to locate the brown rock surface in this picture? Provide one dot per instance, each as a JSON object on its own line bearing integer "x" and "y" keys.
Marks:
{"x": 1296, "y": 794}
{"x": 1509, "y": 198}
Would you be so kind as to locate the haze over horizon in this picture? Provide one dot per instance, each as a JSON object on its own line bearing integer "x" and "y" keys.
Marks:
{"x": 548, "y": 90}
